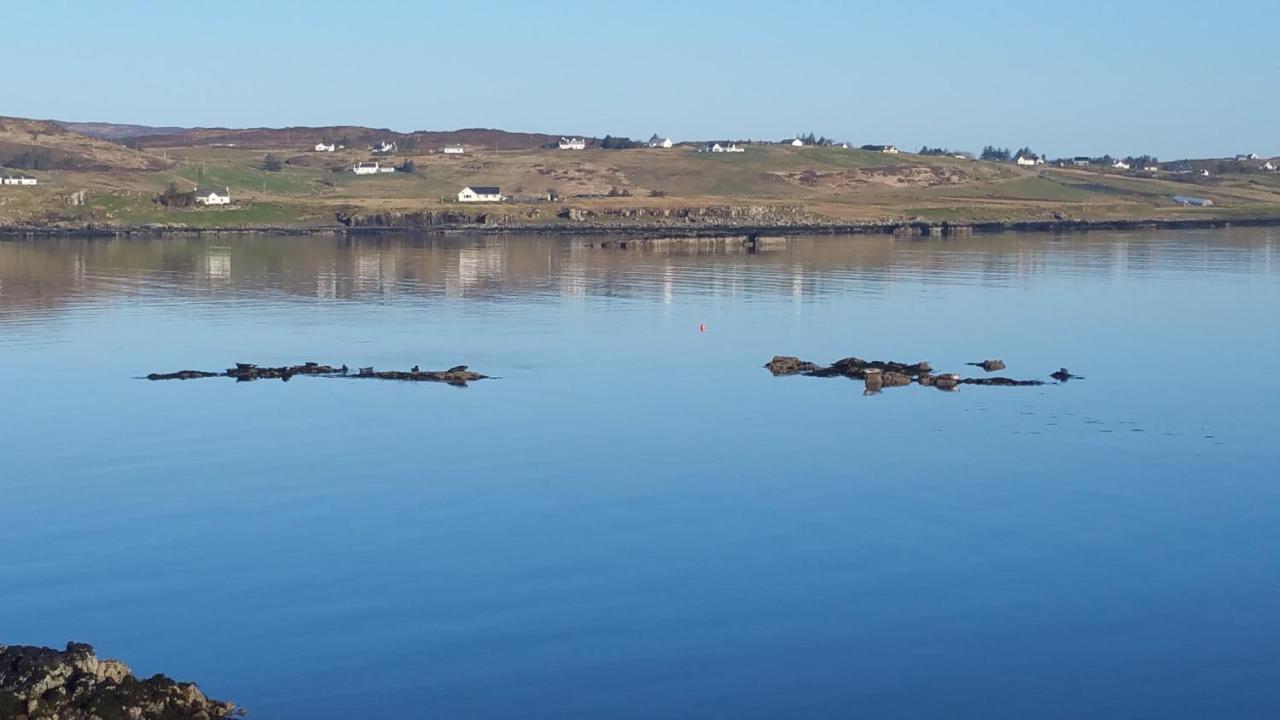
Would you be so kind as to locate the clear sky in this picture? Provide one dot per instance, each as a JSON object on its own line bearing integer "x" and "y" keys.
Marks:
{"x": 1173, "y": 78}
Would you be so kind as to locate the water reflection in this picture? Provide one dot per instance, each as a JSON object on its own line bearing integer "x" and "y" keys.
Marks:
{"x": 45, "y": 275}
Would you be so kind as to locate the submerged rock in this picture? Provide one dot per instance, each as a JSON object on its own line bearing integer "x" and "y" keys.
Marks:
{"x": 74, "y": 684}
{"x": 247, "y": 372}
{"x": 879, "y": 374}
{"x": 990, "y": 365}
{"x": 1062, "y": 375}
{"x": 787, "y": 365}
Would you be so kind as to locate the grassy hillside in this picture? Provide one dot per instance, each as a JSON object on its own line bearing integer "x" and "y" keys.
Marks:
{"x": 119, "y": 183}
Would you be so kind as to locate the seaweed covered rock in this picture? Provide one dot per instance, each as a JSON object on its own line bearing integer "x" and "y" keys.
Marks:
{"x": 73, "y": 684}
{"x": 787, "y": 365}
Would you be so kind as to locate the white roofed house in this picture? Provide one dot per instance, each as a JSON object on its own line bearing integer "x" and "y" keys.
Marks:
{"x": 573, "y": 144}
{"x": 1267, "y": 166}
{"x": 213, "y": 196}
{"x": 454, "y": 150}
{"x": 323, "y": 147}
{"x": 1028, "y": 159}
{"x": 365, "y": 168}
{"x": 18, "y": 180}
{"x": 1120, "y": 165}
{"x": 660, "y": 142}
{"x": 480, "y": 193}
{"x": 384, "y": 147}
{"x": 797, "y": 143}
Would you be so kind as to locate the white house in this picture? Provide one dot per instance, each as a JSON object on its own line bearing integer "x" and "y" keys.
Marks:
{"x": 1151, "y": 168}
{"x": 886, "y": 149}
{"x": 730, "y": 148}
{"x": 18, "y": 180}
{"x": 365, "y": 168}
{"x": 1081, "y": 161}
{"x": 384, "y": 147}
{"x": 1192, "y": 201}
{"x": 1120, "y": 165}
{"x": 386, "y": 168}
{"x": 321, "y": 147}
{"x": 573, "y": 144}
{"x": 480, "y": 193}
{"x": 657, "y": 142}
{"x": 797, "y": 143}
{"x": 1267, "y": 166}
{"x": 454, "y": 150}
{"x": 1028, "y": 160}
{"x": 1250, "y": 156}
{"x": 213, "y": 196}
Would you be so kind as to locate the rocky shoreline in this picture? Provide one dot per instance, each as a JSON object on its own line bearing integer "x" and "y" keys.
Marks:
{"x": 73, "y": 684}
{"x": 714, "y": 228}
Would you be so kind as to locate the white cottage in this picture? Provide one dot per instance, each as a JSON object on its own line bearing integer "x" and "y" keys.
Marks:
{"x": 454, "y": 150}
{"x": 19, "y": 180}
{"x": 1120, "y": 165}
{"x": 797, "y": 143}
{"x": 657, "y": 142}
{"x": 322, "y": 147}
{"x": 480, "y": 193}
{"x": 573, "y": 144}
{"x": 365, "y": 168}
{"x": 1028, "y": 160}
{"x": 213, "y": 196}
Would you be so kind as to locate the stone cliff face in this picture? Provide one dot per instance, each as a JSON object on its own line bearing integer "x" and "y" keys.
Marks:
{"x": 45, "y": 684}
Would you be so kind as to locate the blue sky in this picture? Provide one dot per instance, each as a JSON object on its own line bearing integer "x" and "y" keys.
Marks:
{"x": 1172, "y": 78}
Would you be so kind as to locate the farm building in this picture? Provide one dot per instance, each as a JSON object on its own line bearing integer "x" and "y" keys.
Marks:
{"x": 658, "y": 142}
{"x": 19, "y": 180}
{"x": 323, "y": 147}
{"x": 454, "y": 150}
{"x": 1028, "y": 159}
{"x": 1192, "y": 201}
{"x": 213, "y": 196}
{"x": 886, "y": 149}
{"x": 480, "y": 193}
{"x": 366, "y": 168}
{"x": 573, "y": 144}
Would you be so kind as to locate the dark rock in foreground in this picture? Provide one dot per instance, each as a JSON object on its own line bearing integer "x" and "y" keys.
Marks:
{"x": 246, "y": 372}
{"x": 879, "y": 374}
{"x": 45, "y": 684}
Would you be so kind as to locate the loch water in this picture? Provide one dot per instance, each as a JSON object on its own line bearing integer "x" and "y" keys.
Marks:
{"x": 634, "y": 519}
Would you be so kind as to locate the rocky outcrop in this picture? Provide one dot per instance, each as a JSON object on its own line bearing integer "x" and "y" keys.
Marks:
{"x": 457, "y": 375}
{"x": 73, "y": 684}
{"x": 1062, "y": 375}
{"x": 879, "y": 374}
{"x": 247, "y": 372}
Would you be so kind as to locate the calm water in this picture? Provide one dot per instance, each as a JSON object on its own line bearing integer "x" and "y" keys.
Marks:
{"x": 637, "y": 520}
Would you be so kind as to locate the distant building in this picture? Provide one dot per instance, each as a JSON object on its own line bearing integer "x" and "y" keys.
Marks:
{"x": 729, "y": 148}
{"x": 454, "y": 150}
{"x": 1204, "y": 173}
{"x": 1028, "y": 159}
{"x": 1081, "y": 161}
{"x": 18, "y": 180}
{"x": 480, "y": 193}
{"x": 886, "y": 149}
{"x": 1151, "y": 168}
{"x": 797, "y": 143}
{"x": 1120, "y": 165}
{"x": 1245, "y": 158}
{"x": 660, "y": 142}
{"x": 213, "y": 196}
{"x": 573, "y": 144}
{"x": 321, "y": 147}
{"x": 384, "y": 147}
{"x": 365, "y": 168}
{"x": 1192, "y": 201}
{"x": 1267, "y": 166}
